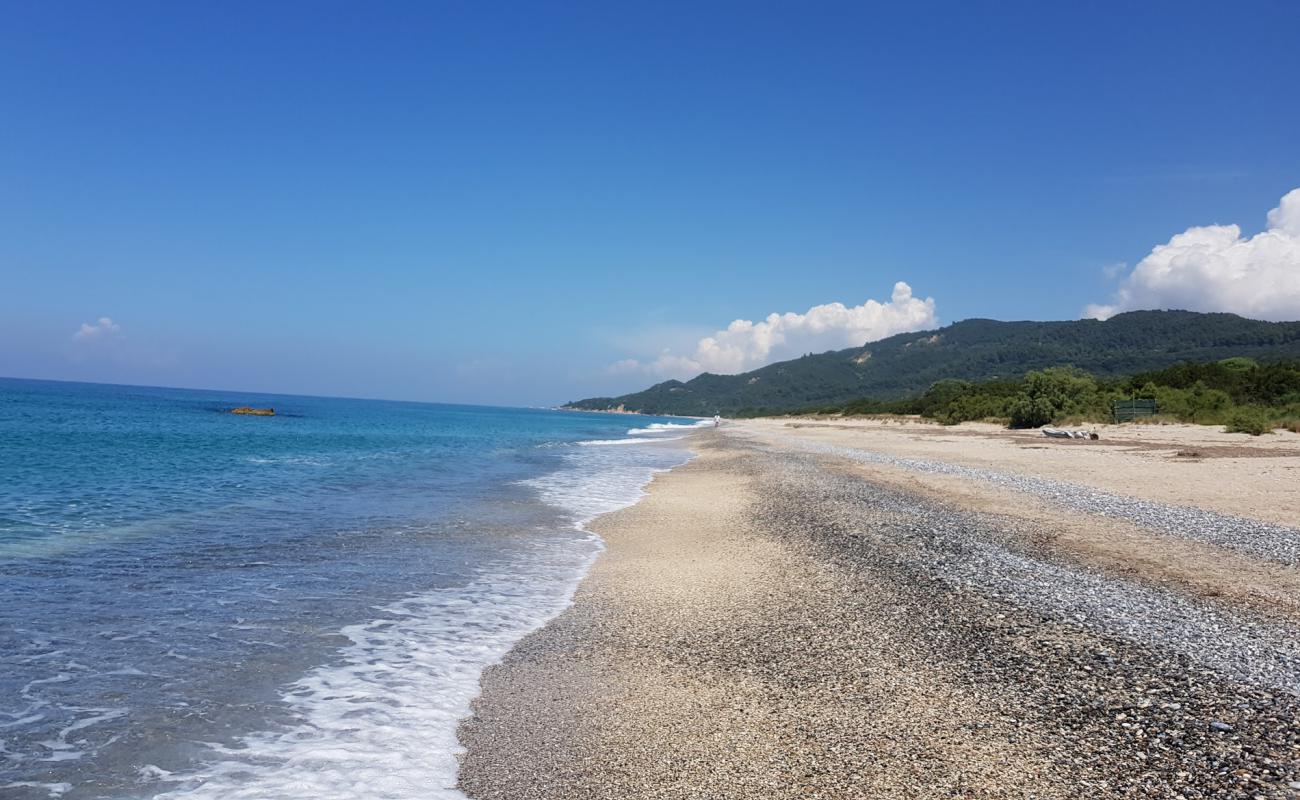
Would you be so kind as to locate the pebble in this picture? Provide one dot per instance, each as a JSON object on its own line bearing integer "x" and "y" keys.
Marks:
{"x": 1266, "y": 540}
{"x": 913, "y": 650}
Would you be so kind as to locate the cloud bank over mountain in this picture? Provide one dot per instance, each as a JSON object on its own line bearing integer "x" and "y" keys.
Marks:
{"x": 1213, "y": 268}
{"x": 744, "y": 344}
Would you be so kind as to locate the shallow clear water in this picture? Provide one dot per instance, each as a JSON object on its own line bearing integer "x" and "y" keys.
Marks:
{"x": 210, "y": 605}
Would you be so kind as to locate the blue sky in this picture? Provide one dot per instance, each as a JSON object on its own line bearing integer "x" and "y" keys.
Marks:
{"x": 494, "y": 202}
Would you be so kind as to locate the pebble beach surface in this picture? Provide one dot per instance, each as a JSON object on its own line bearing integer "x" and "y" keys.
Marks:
{"x": 777, "y": 621}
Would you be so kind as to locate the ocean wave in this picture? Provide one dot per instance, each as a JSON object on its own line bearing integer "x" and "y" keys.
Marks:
{"x": 381, "y": 720}
{"x": 598, "y": 480}
{"x": 656, "y": 428}
{"x": 598, "y": 442}
{"x": 51, "y": 789}
{"x": 309, "y": 461}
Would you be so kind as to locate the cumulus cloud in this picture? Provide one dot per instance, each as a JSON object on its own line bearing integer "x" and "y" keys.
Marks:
{"x": 1113, "y": 271}
{"x": 1213, "y": 268}
{"x": 744, "y": 345}
{"x": 103, "y": 328}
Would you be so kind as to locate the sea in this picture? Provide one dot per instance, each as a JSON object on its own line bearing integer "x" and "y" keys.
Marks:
{"x": 197, "y": 604}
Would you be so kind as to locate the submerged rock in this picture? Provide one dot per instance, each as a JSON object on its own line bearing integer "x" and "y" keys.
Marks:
{"x": 256, "y": 412}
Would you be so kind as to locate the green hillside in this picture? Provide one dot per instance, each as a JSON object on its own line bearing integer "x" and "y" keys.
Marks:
{"x": 972, "y": 350}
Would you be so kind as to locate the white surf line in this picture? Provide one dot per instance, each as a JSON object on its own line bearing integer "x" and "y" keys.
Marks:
{"x": 382, "y": 724}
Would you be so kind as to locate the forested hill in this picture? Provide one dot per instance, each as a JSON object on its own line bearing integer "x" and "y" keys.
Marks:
{"x": 974, "y": 349}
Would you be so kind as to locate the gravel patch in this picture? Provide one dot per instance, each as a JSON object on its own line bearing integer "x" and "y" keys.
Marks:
{"x": 1277, "y": 543}
{"x": 1145, "y": 692}
{"x": 768, "y": 624}
{"x": 983, "y": 553}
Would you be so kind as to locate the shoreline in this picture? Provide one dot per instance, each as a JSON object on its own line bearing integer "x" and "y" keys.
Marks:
{"x": 769, "y": 622}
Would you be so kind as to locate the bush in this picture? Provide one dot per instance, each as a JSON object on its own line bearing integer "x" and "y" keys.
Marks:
{"x": 1251, "y": 394}
{"x": 1248, "y": 420}
{"x": 1030, "y": 412}
{"x": 970, "y": 408}
{"x": 1196, "y": 403}
{"x": 1239, "y": 364}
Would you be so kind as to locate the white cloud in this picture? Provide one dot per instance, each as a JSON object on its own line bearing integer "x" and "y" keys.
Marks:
{"x": 1113, "y": 271}
{"x": 1212, "y": 268}
{"x": 103, "y": 328}
{"x": 744, "y": 345}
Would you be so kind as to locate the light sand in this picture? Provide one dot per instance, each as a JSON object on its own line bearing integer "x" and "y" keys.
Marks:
{"x": 1116, "y": 546}
{"x": 703, "y": 661}
{"x": 1252, "y": 476}
{"x": 758, "y": 631}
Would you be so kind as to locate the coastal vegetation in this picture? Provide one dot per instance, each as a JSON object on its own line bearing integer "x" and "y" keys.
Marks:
{"x": 1239, "y": 393}
{"x": 938, "y": 370}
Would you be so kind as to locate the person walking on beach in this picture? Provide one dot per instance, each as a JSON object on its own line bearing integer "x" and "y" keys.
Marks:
{"x": 717, "y": 420}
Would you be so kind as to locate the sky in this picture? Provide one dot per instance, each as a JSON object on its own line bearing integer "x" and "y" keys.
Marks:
{"x": 528, "y": 203}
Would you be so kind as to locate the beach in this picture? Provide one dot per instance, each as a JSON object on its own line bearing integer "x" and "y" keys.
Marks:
{"x": 837, "y": 608}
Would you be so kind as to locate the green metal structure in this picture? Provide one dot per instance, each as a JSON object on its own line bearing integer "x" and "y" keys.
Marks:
{"x": 1129, "y": 410}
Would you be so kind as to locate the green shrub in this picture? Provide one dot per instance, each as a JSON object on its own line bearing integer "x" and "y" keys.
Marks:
{"x": 1030, "y": 412}
{"x": 1197, "y": 403}
{"x": 1240, "y": 390}
{"x": 1239, "y": 364}
{"x": 971, "y": 408}
{"x": 1248, "y": 420}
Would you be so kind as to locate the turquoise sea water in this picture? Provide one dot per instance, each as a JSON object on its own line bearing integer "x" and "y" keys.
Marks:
{"x": 200, "y": 604}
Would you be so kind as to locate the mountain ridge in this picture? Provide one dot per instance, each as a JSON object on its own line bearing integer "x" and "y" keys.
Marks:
{"x": 973, "y": 349}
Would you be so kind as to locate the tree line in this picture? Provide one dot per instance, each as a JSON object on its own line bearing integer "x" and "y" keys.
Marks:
{"x": 1240, "y": 393}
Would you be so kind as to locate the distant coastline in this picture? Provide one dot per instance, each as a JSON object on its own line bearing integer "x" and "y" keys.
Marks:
{"x": 622, "y": 411}
{"x": 975, "y": 350}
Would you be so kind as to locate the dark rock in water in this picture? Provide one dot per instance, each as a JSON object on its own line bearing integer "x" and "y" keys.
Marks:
{"x": 255, "y": 412}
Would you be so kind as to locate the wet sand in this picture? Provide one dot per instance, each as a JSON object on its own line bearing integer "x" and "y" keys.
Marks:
{"x": 774, "y": 622}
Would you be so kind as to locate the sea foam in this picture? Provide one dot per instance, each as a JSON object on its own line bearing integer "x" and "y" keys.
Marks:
{"x": 643, "y": 440}
{"x": 381, "y": 722}
{"x": 659, "y": 428}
